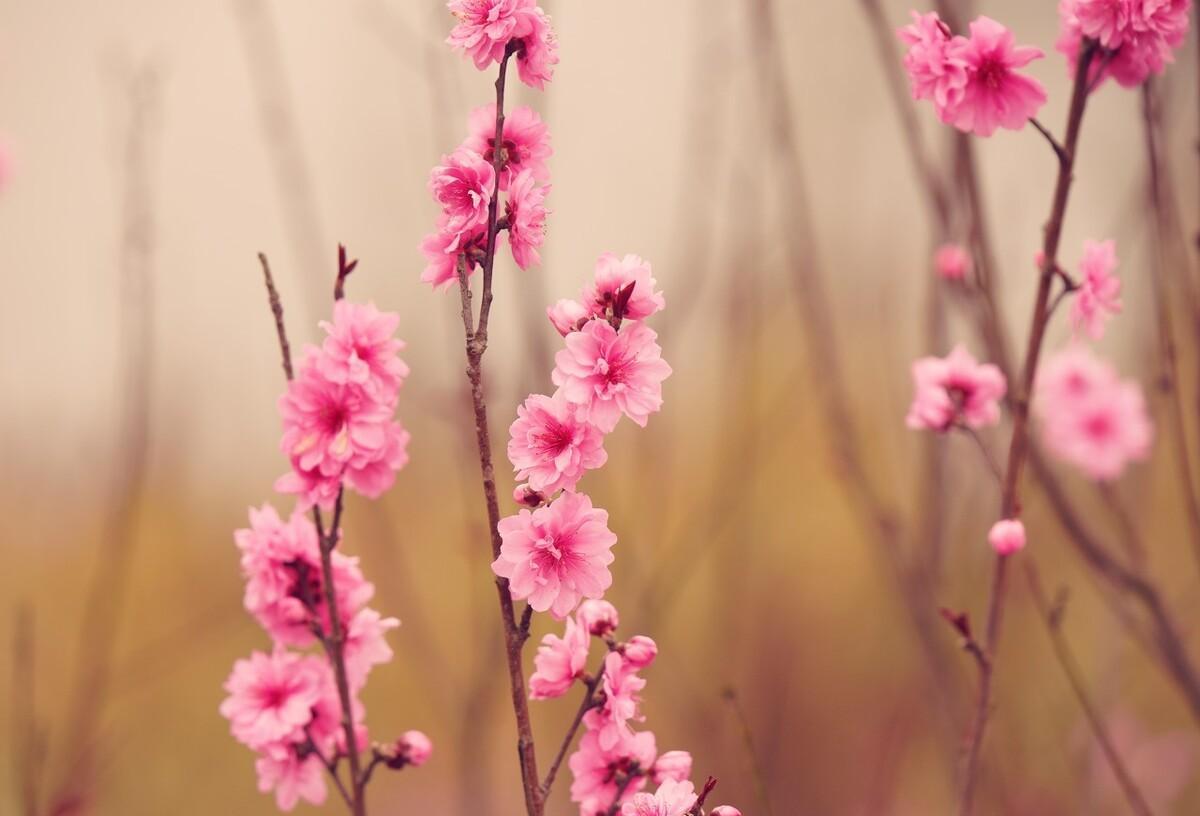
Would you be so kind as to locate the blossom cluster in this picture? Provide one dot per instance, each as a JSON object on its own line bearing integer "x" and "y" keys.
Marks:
{"x": 1137, "y": 38}
{"x": 339, "y": 431}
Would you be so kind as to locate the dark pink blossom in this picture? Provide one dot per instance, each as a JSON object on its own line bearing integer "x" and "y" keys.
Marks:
{"x": 1007, "y": 536}
{"x": 525, "y": 211}
{"x": 622, "y": 686}
{"x": 995, "y": 94}
{"x": 486, "y": 28}
{"x": 463, "y": 185}
{"x": 954, "y": 389}
{"x": 952, "y": 262}
{"x": 936, "y": 71}
{"x": 271, "y": 696}
{"x": 550, "y": 446}
{"x": 612, "y": 276}
{"x": 524, "y": 144}
{"x": 595, "y": 770}
{"x": 1138, "y": 38}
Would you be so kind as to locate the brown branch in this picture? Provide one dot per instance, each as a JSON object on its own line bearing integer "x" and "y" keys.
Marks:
{"x": 1059, "y": 150}
{"x": 589, "y": 702}
{"x": 331, "y": 767}
{"x": 345, "y": 267}
{"x": 277, "y": 310}
{"x": 1010, "y": 506}
{"x": 756, "y": 767}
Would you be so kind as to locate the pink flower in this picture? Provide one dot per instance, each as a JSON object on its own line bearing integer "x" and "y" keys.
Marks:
{"x": 613, "y": 275}
{"x": 550, "y": 446}
{"x": 292, "y": 777}
{"x": 639, "y": 651}
{"x": 1104, "y": 20}
{"x": 556, "y": 554}
{"x": 361, "y": 349}
{"x": 271, "y": 697}
{"x": 526, "y": 213}
{"x": 1007, "y": 536}
{"x": 413, "y": 748}
{"x": 524, "y": 144}
{"x": 595, "y": 770}
{"x": 1099, "y": 294}
{"x": 559, "y": 662}
{"x": 366, "y": 645}
{"x": 995, "y": 95}
{"x": 568, "y": 316}
{"x": 936, "y": 69}
{"x": 599, "y": 618}
{"x": 486, "y": 28}
{"x": 1140, "y": 36}
{"x": 284, "y": 588}
{"x": 334, "y": 431}
{"x": 607, "y": 374}
{"x": 621, "y": 686}
{"x": 1089, "y": 417}
{"x": 954, "y": 389}
{"x": 952, "y": 262}
{"x": 675, "y": 765}
{"x": 673, "y": 798}
{"x": 462, "y": 184}
{"x": 539, "y": 52}
{"x": 443, "y": 249}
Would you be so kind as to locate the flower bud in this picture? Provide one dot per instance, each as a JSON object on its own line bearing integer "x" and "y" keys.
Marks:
{"x": 676, "y": 765}
{"x": 724, "y": 810}
{"x": 526, "y": 496}
{"x": 567, "y": 316}
{"x": 413, "y": 748}
{"x": 640, "y": 651}
{"x": 1007, "y": 536}
{"x": 598, "y": 617}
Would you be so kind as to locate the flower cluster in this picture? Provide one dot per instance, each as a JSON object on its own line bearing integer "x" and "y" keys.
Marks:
{"x": 1137, "y": 38}
{"x": 972, "y": 81}
{"x": 338, "y": 431}
{"x": 489, "y": 29}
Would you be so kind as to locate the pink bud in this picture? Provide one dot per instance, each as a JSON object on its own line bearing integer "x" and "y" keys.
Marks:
{"x": 676, "y": 765}
{"x": 597, "y": 617}
{"x": 414, "y": 748}
{"x": 526, "y": 496}
{"x": 1007, "y": 536}
{"x": 951, "y": 262}
{"x": 640, "y": 651}
{"x": 724, "y": 810}
{"x": 567, "y": 315}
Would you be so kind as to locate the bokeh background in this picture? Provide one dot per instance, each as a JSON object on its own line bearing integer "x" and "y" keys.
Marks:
{"x": 157, "y": 146}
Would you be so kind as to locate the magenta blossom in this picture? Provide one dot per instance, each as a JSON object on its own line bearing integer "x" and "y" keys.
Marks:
{"x": 550, "y": 446}
{"x": 1007, "y": 536}
{"x": 596, "y": 770}
{"x": 559, "y": 662}
{"x": 524, "y": 145}
{"x": 936, "y": 71}
{"x": 486, "y": 28}
{"x": 951, "y": 262}
{"x": 995, "y": 94}
{"x": 614, "y": 275}
{"x": 539, "y": 53}
{"x": 525, "y": 211}
{"x": 462, "y": 184}
{"x": 1138, "y": 37}
{"x": 954, "y": 389}
{"x": 442, "y": 251}
{"x": 557, "y": 554}
{"x": 622, "y": 701}
{"x": 1099, "y": 295}
{"x": 673, "y": 798}
{"x": 608, "y": 374}
{"x": 271, "y": 697}
{"x": 361, "y": 348}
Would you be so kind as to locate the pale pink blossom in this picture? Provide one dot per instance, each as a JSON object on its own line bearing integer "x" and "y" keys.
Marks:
{"x": 282, "y": 769}
{"x": 525, "y": 211}
{"x": 462, "y": 184}
{"x": 559, "y": 662}
{"x": 550, "y": 446}
{"x": 673, "y": 798}
{"x": 954, "y": 389}
{"x": 361, "y": 348}
{"x": 599, "y": 618}
{"x": 443, "y": 249}
{"x": 1139, "y": 37}
{"x": 608, "y": 374}
{"x": 271, "y": 696}
{"x": 414, "y": 748}
{"x": 486, "y": 28}
{"x": 557, "y": 554}
{"x": 595, "y": 770}
{"x": 334, "y": 431}
{"x": 524, "y": 143}
{"x": 995, "y": 94}
{"x": 1099, "y": 294}
{"x": 366, "y": 645}
{"x": 1090, "y": 418}
{"x": 622, "y": 686}
{"x": 568, "y": 316}
{"x": 675, "y": 765}
{"x": 1007, "y": 536}
{"x": 952, "y": 262}
{"x": 639, "y": 651}
{"x": 614, "y": 276}
{"x": 936, "y": 71}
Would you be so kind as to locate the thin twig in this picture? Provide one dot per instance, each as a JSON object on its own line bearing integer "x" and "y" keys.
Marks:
{"x": 1059, "y": 150}
{"x": 992, "y": 464}
{"x": 585, "y": 705}
{"x": 312, "y": 748}
{"x": 277, "y": 310}
{"x": 345, "y": 267}
{"x": 756, "y": 767}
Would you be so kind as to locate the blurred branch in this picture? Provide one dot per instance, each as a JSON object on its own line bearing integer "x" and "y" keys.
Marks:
{"x": 756, "y": 768}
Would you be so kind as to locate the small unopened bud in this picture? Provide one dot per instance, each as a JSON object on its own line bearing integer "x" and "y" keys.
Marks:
{"x": 413, "y": 748}
{"x": 676, "y": 765}
{"x": 1007, "y": 536}
{"x": 526, "y": 496}
{"x": 640, "y": 651}
{"x": 598, "y": 617}
{"x": 724, "y": 810}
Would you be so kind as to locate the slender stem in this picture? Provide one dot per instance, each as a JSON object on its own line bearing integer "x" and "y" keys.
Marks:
{"x": 1059, "y": 150}
{"x": 331, "y": 767}
{"x": 277, "y": 310}
{"x": 622, "y": 785}
{"x": 1010, "y": 506}
{"x": 476, "y": 344}
{"x": 1052, "y": 617}
{"x": 756, "y": 768}
{"x": 992, "y": 464}
{"x": 585, "y": 705}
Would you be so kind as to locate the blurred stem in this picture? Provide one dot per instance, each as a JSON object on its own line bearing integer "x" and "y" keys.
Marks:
{"x": 26, "y": 745}
{"x": 756, "y": 767}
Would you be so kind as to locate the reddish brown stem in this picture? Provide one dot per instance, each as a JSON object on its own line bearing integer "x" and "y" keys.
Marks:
{"x": 588, "y": 702}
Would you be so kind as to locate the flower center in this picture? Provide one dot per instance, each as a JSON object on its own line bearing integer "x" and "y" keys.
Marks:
{"x": 1099, "y": 426}
{"x": 992, "y": 73}
{"x": 553, "y": 440}
{"x": 547, "y": 544}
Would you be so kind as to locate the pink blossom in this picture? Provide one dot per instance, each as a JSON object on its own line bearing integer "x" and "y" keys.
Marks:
{"x": 334, "y": 431}
{"x": 366, "y": 645}
{"x": 284, "y": 588}
{"x": 442, "y": 250}
{"x": 952, "y": 262}
{"x": 599, "y": 618}
{"x": 1099, "y": 294}
{"x": 462, "y": 184}
{"x": 675, "y": 765}
{"x": 525, "y": 211}
{"x": 995, "y": 94}
{"x": 615, "y": 274}
{"x": 1007, "y": 536}
{"x": 524, "y": 143}
{"x": 281, "y": 768}
{"x": 361, "y": 348}
{"x": 621, "y": 686}
{"x": 1140, "y": 36}
{"x": 954, "y": 389}
{"x": 607, "y": 374}
{"x": 936, "y": 69}
{"x": 1090, "y": 418}
{"x": 556, "y": 554}
{"x": 486, "y": 28}
{"x": 414, "y": 748}
{"x": 673, "y": 798}
{"x": 271, "y": 697}
{"x": 539, "y": 52}
{"x": 595, "y": 770}
{"x": 639, "y": 651}
{"x": 568, "y": 316}
{"x": 550, "y": 446}
{"x": 559, "y": 662}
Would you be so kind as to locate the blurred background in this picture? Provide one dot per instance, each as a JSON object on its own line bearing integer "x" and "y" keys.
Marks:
{"x": 752, "y": 152}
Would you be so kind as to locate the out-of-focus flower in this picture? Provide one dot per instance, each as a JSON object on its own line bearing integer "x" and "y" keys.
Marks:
{"x": 675, "y": 765}
{"x": 673, "y": 798}
{"x": 951, "y": 262}
{"x": 1138, "y": 37}
{"x": 954, "y": 389}
{"x": 1099, "y": 295}
{"x": 1007, "y": 536}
